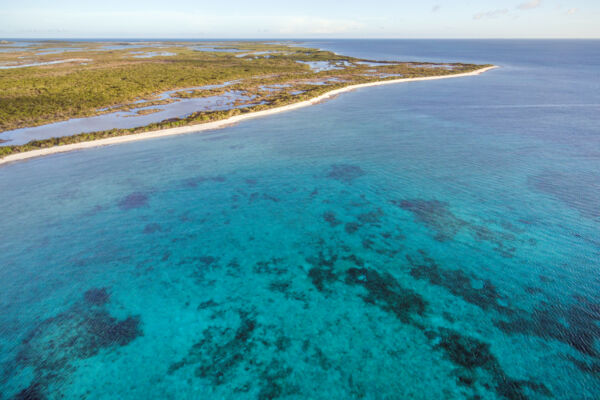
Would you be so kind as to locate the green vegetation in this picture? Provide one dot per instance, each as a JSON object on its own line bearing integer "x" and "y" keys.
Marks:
{"x": 101, "y": 80}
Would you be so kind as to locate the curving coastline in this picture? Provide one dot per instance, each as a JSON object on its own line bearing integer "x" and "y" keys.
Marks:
{"x": 221, "y": 123}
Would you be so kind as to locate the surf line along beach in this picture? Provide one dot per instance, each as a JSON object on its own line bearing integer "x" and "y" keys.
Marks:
{"x": 222, "y": 123}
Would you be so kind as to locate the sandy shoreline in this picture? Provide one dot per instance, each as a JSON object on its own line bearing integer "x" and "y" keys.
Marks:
{"x": 218, "y": 124}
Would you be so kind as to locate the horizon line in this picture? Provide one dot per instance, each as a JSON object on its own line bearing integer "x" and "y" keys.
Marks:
{"x": 291, "y": 39}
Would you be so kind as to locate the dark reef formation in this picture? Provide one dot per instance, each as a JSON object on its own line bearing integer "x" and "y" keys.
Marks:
{"x": 471, "y": 354}
{"x": 152, "y": 228}
{"x": 457, "y": 282}
{"x": 351, "y": 227}
{"x": 322, "y": 271}
{"x": 80, "y": 332}
{"x": 575, "y": 324}
{"x": 436, "y": 216}
{"x": 273, "y": 266}
{"x": 219, "y": 352}
{"x": 329, "y": 217}
{"x": 384, "y": 291}
{"x": 368, "y": 260}
{"x": 222, "y": 353}
{"x": 371, "y": 217}
{"x": 31, "y": 392}
{"x": 134, "y": 200}
{"x": 345, "y": 172}
{"x": 96, "y": 296}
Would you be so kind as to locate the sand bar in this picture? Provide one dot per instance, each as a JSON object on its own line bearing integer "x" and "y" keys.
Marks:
{"x": 221, "y": 123}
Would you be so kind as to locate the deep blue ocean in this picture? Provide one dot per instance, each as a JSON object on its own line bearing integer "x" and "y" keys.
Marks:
{"x": 429, "y": 240}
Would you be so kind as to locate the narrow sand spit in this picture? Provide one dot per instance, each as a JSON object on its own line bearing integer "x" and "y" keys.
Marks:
{"x": 218, "y": 124}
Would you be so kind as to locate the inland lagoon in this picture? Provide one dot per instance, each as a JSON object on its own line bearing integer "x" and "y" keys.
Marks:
{"x": 424, "y": 240}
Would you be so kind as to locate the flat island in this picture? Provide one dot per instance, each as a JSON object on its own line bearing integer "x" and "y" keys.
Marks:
{"x": 71, "y": 95}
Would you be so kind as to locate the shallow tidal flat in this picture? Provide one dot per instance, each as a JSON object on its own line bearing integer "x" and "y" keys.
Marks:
{"x": 385, "y": 244}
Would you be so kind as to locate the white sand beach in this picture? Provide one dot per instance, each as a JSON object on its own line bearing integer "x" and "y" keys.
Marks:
{"x": 219, "y": 124}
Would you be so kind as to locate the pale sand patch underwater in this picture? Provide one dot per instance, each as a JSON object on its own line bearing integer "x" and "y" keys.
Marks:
{"x": 222, "y": 123}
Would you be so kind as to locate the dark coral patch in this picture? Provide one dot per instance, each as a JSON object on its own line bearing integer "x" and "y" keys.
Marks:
{"x": 434, "y": 214}
{"x": 321, "y": 276}
{"x": 202, "y": 263}
{"x": 269, "y": 197}
{"x": 152, "y": 228}
{"x": 96, "y": 296}
{"x": 245, "y": 329}
{"x": 465, "y": 381}
{"x": 78, "y": 333}
{"x": 372, "y": 217}
{"x": 134, "y": 200}
{"x": 345, "y": 172}
{"x": 466, "y": 351}
{"x": 330, "y": 218}
{"x": 254, "y": 196}
{"x": 207, "y": 304}
{"x": 273, "y": 382}
{"x": 220, "y": 351}
{"x": 322, "y": 272}
{"x": 322, "y": 260}
{"x": 385, "y": 292}
{"x": 456, "y": 282}
{"x": 367, "y": 243}
{"x": 351, "y": 227}
{"x": 513, "y": 389}
{"x": 533, "y": 290}
{"x": 227, "y": 355}
{"x": 499, "y": 239}
{"x": 575, "y": 325}
{"x": 471, "y": 354}
{"x": 280, "y": 286}
{"x": 273, "y": 266}
{"x": 31, "y": 392}
{"x": 590, "y": 368}
{"x": 109, "y": 331}
{"x": 272, "y": 388}
{"x": 283, "y": 343}
{"x": 207, "y": 261}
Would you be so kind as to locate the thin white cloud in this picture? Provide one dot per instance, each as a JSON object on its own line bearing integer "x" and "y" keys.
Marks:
{"x": 530, "y": 5}
{"x": 318, "y": 26}
{"x": 178, "y": 24}
{"x": 491, "y": 14}
{"x": 571, "y": 11}
{"x": 436, "y": 8}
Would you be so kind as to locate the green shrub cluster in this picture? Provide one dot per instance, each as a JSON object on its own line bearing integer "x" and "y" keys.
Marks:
{"x": 113, "y": 80}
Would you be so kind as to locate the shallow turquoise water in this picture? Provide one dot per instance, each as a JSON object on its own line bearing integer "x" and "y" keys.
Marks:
{"x": 428, "y": 240}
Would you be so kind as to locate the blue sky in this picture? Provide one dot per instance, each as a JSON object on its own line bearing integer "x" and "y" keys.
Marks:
{"x": 300, "y": 19}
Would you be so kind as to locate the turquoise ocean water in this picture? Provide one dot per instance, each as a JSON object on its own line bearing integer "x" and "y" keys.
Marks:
{"x": 431, "y": 240}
